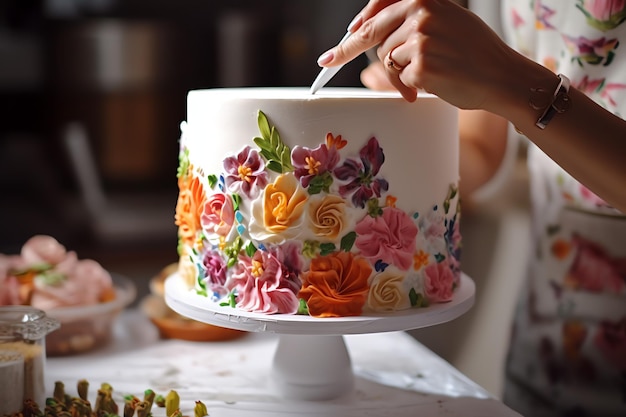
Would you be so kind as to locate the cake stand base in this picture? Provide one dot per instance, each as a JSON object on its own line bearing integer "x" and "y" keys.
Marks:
{"x": 312, "y": 368}
{"x": 312, "y": 361}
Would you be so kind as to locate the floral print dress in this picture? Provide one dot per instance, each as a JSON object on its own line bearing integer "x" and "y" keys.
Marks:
{"x": 568, "y": 347}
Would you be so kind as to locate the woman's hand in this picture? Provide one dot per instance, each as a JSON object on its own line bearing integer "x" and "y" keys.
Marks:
{"x": 437, "y": 45}
{"x": 375, "y": 77}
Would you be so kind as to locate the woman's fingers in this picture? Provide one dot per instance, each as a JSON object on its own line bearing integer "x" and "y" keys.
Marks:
{"x": 375, "y": 77}
{"x": 371, "y": 9}
{"x": 369, "y": 34}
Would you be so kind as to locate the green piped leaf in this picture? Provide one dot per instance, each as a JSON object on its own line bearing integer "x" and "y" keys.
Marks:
{"x": 232, "y": 251}
{"x": 303, "y": 308}
{"x": 373, "y": 208}
{"x": 452, "y": 192}
{"x": 183, "y": 164}
{"x": 327, "y": 248}
{"x": 417, "y": 299}
{"x": 236, "y": 201}
{"x": 348, "y": 241}
{"x": 320, "y": 183}
{"x": 250, "y": 249}
{"x": 272, "y": 148}
{"x": 212, "y": 179}
{"x": 264, "y": 125}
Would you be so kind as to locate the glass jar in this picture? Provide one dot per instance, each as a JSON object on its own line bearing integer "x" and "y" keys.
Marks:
{"x": 23, "y": 330}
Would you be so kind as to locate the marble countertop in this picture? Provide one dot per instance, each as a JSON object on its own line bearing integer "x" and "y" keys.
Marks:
{"x": 394, "y": 375}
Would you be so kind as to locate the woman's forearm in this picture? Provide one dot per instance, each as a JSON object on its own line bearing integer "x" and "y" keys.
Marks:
{"x": 586, "y": 140}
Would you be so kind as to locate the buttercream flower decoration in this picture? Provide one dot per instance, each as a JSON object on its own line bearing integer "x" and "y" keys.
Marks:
{"x": 245, "y": 173}
{"x": 453, "y": 238}
{"x": 336, "y": 142}
{"x": 327, "y": 217}
{"x": 360, "y": 175}
{"x": 313, "y": 167}
{"x": 439, "y": 281}
{"x": 189, "y": 208}
{"x": 386, "y": 292}
{"x": 278, "y": 212}
{"x": 263, "y": 284}
{"x": 188, "y": 270}
{"x": 218, "y": 215}
{"x": 215, "y": 268}
{"x": 389, "y": 238}
{"x": 336, "y": 285}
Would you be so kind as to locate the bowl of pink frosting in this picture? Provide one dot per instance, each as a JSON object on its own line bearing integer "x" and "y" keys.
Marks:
{"x": 83, "y": 296}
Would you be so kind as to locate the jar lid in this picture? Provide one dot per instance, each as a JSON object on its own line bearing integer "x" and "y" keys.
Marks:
{"x": 26, "y": 323}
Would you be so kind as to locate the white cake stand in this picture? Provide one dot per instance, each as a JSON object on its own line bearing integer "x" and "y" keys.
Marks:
{"x": 311, "y": 361}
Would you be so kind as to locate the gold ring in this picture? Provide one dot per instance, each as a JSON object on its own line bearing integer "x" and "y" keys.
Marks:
{"x": 391, "y": 63}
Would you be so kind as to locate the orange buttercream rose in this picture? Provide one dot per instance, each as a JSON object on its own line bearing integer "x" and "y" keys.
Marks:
{"x": 189, "y": 209}
{"x": 283, "y": 203}
{"x": 328, "y": 216}
{"x": 336, "y": 285}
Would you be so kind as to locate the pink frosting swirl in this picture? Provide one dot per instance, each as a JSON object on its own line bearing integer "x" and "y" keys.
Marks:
{"x": 60, "y": 278}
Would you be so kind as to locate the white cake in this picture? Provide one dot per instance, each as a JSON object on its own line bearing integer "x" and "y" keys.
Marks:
{"x": 337, "y": 204}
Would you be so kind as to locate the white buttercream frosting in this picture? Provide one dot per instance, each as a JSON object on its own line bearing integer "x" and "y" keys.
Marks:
{"x": 344, "y": 170}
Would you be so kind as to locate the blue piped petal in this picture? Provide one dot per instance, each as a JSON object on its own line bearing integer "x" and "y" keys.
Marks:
{"x": 380, "y": 266}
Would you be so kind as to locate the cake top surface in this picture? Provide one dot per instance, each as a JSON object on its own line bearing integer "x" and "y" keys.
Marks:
{"x": 303, "y": 93}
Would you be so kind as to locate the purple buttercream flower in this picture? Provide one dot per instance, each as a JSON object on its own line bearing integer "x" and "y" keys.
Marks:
{"x": 310, "y": 163}
{"x": 245, "y": 173}
{"x": 215, "y": 268}
{"x": 361, "y": 175}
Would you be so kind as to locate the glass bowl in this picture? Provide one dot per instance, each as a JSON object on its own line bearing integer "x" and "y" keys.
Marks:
{"x": 85, "y": 328}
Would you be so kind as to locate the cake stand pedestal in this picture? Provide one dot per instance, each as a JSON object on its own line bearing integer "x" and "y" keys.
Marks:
{"x": 311, "y": 361}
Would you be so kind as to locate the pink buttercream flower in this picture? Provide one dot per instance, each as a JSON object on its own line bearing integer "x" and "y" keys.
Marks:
{"x": 289, "y": 254}
{"x": 439, "y": 281}
{"x": 265, "y": 285}
{"x": 218, "y": 215}
{"x": 245, "y": 173}
{"x": 389, "y": 238}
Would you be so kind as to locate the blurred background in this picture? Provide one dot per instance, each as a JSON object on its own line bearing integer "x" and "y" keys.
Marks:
{"x": 92, "y": 93}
